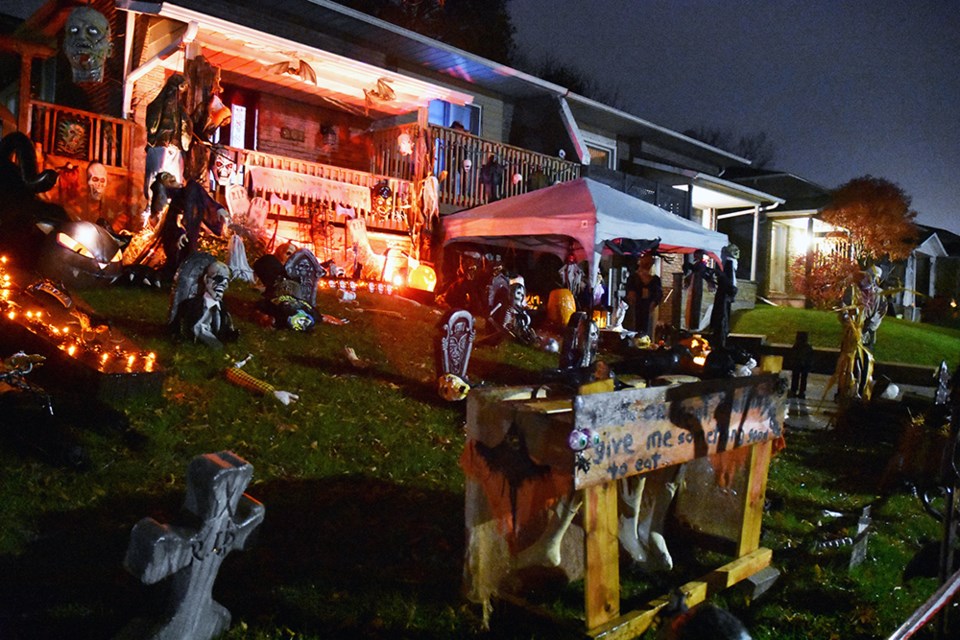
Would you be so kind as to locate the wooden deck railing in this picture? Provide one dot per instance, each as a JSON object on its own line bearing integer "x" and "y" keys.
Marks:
{"x": 473, "y": 170}
{"x": 81, "y": 135}
{"x": 390, "y": 217}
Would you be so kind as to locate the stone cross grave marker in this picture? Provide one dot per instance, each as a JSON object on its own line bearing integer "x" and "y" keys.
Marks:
{"x": 217, "y": 518}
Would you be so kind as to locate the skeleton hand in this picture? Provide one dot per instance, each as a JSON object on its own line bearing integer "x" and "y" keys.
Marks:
{"x": 285, "y": 396}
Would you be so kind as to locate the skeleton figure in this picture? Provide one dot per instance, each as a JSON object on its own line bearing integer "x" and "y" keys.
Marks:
{"x": 87, "y": 44}
{"x": 510, "y": 315}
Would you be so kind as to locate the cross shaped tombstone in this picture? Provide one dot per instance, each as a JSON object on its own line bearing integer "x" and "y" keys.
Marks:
{"x": 218, "y": 517}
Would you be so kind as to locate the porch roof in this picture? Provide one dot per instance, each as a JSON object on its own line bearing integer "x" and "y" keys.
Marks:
{"x": 332, "y": 27}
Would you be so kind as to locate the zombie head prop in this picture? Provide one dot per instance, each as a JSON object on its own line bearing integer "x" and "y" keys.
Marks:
{"x": 96, "y": 180}
{"x": 215, "y": 281}
{"x": 224, "y": 170}
{"x": 87, "y": 44}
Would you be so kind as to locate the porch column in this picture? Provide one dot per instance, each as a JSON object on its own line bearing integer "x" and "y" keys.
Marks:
{"x": 754, "y": 245}
{"x": 932, "y": 289}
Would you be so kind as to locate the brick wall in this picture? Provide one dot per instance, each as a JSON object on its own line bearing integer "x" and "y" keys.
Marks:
{"x": 298, "y": 130}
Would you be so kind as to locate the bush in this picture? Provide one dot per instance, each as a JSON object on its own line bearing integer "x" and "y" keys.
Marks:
{"x": 829, "y": 277}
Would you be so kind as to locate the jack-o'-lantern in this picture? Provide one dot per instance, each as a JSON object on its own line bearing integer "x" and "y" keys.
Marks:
{"x": 81, "y": 254}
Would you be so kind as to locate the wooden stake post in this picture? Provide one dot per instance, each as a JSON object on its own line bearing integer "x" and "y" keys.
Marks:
{"x": 518, "y": 447}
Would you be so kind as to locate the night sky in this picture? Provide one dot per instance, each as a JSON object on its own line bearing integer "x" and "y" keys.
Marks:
{"x": 841, "y": 88}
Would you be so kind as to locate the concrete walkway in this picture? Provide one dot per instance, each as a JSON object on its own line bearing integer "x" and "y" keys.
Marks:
{"x": 818, "y": 410}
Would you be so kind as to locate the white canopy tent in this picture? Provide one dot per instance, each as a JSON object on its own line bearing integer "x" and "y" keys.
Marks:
{"x": 581, "y": 215}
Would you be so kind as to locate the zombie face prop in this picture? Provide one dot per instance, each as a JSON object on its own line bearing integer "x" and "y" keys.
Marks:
{"x": 87, "y": 44}
{"x": 224, "y": 170}
{"x": 81, "y": 254}
{"x": 215, "y": 280}
{"x": 96, "y": 180}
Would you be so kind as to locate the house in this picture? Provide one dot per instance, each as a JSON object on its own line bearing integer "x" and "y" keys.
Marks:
{"x": 336, "y": 115}
{"x": 930, "y": 276}
{"x": 789, "y": 230}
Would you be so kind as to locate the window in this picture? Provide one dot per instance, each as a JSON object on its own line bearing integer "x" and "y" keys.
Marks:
{"x": 603, "y": 149}
{"x": 444, "y": 114}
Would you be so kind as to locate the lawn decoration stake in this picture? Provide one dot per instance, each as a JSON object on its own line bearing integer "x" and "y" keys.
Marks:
{"x": 218, "y": 517}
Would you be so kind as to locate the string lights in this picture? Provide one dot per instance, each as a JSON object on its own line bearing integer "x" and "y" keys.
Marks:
{"x": 83, "y": 343}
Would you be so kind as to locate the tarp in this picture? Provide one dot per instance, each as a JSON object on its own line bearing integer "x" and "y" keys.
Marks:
{"x": 580, "y": 215}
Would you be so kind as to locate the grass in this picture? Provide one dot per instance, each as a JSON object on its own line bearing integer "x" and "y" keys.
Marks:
{"x": 897, "y": 340}
{"x": 364, "y": 495}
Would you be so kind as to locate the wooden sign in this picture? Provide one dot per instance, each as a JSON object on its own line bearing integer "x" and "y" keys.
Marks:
{"x": 645, "y": 429}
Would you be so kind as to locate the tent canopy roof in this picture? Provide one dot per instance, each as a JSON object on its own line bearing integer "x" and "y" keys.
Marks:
{"x": 580, "y": 215}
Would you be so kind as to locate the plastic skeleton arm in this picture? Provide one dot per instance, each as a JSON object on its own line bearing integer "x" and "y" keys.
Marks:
{"x": 241, "y": 378}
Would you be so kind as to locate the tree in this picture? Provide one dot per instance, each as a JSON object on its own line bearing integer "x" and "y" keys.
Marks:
{"x": 551, "y": 69}
{"x": 755, "y": 147}
{"x": 877, "y": 215}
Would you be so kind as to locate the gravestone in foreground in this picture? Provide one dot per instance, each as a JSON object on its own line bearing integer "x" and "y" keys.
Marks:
{"x": 217, "y": 518}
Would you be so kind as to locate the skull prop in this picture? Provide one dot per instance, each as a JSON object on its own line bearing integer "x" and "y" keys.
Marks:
{"x": 96, "y": 180}
{"x": 452, "y": 388}
{"x": 87, "y": 44}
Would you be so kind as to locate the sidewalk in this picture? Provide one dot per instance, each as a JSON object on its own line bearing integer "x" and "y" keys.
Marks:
{"x": 818, "y": 410}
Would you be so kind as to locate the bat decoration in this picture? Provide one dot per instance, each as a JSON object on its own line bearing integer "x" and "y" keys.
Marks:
{"x": 382, "y": 93}
{"x": 294, "y": 68}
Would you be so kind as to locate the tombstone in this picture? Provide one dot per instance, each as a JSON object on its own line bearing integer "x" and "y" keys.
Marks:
{"x": 217, "y": 518}
{"x": 580, "y": 342}
{"x": 304, "y": 267}
{"x": 456, "y": 342}
{"x": 943, "y": 384}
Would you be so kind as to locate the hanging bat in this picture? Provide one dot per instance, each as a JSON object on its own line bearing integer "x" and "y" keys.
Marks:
{"x": 296, "y": 68}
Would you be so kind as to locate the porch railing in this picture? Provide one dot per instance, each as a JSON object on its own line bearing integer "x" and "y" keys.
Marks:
{"x": 81, "y": 135}
{"x": 385, "y": 216}
{"x": 471, "y": 170}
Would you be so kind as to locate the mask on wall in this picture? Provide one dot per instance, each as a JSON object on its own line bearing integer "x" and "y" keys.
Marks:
{"x": 87, "y": 44}
{"x": 96, "y": 180}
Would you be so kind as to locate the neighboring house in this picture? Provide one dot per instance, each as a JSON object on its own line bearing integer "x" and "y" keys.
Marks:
{"x": 346, "y": 103}
{"x": 788, "y": 231}
{"x": 930, "y": 276}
